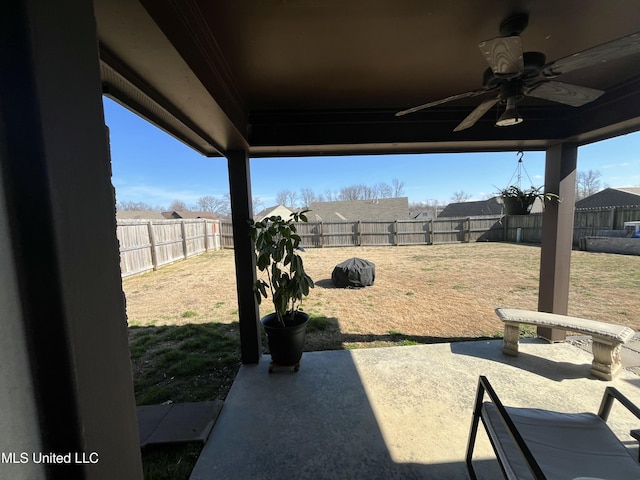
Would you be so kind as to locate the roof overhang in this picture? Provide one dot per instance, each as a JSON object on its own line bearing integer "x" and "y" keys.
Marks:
{"x": 311, "y": 77}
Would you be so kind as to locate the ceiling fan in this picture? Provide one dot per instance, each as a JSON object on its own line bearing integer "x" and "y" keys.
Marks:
{"x": 514, "y": 74}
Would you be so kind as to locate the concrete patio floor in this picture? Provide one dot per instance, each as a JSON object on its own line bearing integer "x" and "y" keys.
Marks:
{"x": 392, "y": 413}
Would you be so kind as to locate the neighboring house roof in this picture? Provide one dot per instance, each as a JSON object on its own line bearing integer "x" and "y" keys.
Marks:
{"x": 491, "y": 206}
{"x": 138, "y": 215}
{"x": 284, "y": 212}
{"x": 190, "y": 214}
{"x": 380, "y": 209}
{"x": 422, "y": 214}
{"x": 611, "y": 197}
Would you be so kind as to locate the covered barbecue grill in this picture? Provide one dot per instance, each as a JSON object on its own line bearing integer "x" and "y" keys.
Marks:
{"x": 354, "y": 272}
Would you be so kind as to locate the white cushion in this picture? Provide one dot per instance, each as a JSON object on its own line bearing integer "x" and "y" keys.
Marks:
{"x": 565, "y": 445}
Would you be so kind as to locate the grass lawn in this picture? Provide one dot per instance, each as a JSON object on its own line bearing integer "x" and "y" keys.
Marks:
{"x": 183, "y": 318}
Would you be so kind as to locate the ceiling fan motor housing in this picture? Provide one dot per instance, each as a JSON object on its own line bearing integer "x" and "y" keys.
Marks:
{"x": 514, "y": 24}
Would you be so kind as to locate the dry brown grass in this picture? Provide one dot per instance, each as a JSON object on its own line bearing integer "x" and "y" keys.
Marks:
{"x": 421, "y": 293}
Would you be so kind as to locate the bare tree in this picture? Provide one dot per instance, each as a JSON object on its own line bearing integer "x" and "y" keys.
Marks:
{"x": 587, "y": 183}
{"x": 352, "y": 192}
{"x": 178, "y": 206}
{"x": 383, "y": 190}
{"x": 130, "y": 205}
{"x": 398, "y": 187}
{"x": 287, "y": 198}
{"x": 330, "y": 196}
{"x": 256, "y": 202}
{"x": 307, "y": 196}
{"x": 369, "y": 193}
{"x": 460, "y": 196}
{"x": 211, "y": 204}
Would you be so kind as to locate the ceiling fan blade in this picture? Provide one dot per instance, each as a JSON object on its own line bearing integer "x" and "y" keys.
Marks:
{"x": 602, "y": 53}
{"x": 565, "y": 93}
{"x": 472, "y": 93}
{"x": 477, "y": 113}
{"x": 504, "y": 55}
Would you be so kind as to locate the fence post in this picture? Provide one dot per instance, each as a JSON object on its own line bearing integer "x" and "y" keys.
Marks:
{"x": 468, "y": 222}
{"x": 358, "y": 235}
{"x": 152, "y": 241}
{"x": 505, "y": 219}
{"x": 432, "y": 237}
{"x": 206, "y": 234}
{"x": 321, "y": 233}
{"x": 612, "y": 220}
{"x": 184, "y": 238}
{"x": 396, "y": 237}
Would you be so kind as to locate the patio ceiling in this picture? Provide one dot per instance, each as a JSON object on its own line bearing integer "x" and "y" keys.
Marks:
{"x": 305, "y": 77}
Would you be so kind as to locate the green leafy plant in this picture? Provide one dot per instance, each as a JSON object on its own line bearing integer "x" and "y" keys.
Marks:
{"x": 277, "y": 245}
{"x": 535, "y": 192}
{"x": 525, "y": 198}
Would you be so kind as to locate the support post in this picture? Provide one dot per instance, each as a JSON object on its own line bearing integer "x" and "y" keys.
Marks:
{"x": 65, "y": 363}
{"x": 244, "y": 253}
{"x": 557, "y": 235}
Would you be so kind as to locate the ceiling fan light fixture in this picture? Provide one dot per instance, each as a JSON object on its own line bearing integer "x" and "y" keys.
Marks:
{"x": 510, "y": 116}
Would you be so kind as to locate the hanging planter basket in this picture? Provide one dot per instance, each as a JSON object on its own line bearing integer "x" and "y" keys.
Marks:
{"x": 518, "y": 205}
{"x": 520, "y": 202}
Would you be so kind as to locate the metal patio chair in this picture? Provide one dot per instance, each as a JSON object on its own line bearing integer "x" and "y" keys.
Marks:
{"x": 531, "y": 443}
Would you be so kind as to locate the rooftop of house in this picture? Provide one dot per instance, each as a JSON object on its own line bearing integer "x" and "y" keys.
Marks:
{"x": 138, "y": 215}
{"x": 352, "y": 210}
{"x": 490, "y": 206}
{"x": 611, "y": 197}
{"x": 190, "y": 214}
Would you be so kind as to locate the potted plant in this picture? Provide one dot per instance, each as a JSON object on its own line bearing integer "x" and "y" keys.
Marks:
{"x": 519, "y": 202}
{"x": 276, "y": 248}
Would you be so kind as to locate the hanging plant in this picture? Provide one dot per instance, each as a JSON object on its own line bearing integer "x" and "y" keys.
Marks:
{"x": 518, "y": 201}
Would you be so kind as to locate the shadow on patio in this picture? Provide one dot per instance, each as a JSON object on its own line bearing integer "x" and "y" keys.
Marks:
{"x": 400, "y": 412}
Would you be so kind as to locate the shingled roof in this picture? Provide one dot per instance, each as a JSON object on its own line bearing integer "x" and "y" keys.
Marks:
{"x": 491, "y": 206}
{"x": 611, "y": 197}
{"x": 189, "y": 214}
{"x": 284, "y": 212}
{"x": 138, "y": 215}
{"x": 379, "y": 209}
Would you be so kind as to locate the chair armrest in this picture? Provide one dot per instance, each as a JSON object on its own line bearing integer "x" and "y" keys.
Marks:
{"x": 611, "y": 394}
{"x": 485, "y": 386}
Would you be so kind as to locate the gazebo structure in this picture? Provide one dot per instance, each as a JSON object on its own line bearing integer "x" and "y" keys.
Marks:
{"x": 245, "y": 79}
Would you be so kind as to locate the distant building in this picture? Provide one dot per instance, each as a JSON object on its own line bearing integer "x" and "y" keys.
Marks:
{"x": 353, "y": 210}
{"x": 189, "y": 214}
{"x": 138, "y": 215}
{"x": 284, "y": 212}
{"x": 611, "y": 197}
{"x": 491, "y": 206}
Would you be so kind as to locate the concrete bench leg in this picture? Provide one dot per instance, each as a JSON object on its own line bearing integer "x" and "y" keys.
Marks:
{"x": 510, "y": 340}
{"x": 606, "y": 358}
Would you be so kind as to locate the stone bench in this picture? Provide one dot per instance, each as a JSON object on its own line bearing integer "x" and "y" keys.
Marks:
{"x": 607, "y": 338}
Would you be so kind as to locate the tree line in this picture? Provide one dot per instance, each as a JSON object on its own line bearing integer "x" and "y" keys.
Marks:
{"x": 306, "y": 196}
{"x": 587, "y": 183}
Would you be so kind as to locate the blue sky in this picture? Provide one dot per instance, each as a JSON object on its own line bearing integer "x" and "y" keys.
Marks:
{"x": 152, "y": 167}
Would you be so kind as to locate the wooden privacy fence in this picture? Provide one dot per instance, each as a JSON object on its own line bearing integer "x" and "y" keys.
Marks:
{"x": 149, "y": 244}
{"x": 510, "y": 228}
{"x": 586, "y": 223}
{"x": 398, "y": 232}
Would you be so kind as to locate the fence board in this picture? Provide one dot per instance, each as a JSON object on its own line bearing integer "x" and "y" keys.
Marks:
{"x": 490, "y": 228}
{"x": 149, "y": 244}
